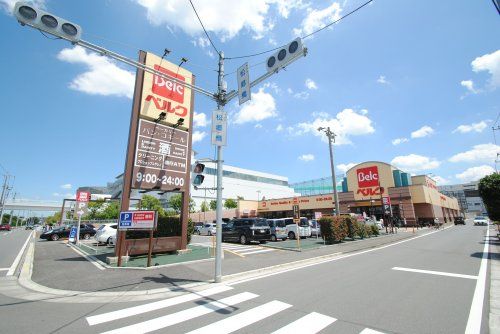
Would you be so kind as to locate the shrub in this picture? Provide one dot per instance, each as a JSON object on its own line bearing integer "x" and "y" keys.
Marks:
{"x": 362, "y": 232}
{"x": 374, "y": 229}
{"x": 333, "y": 229}
{"x": 352, "y": 227}
{"x": 368, "y": 230}
{"x": 167, "y": 227}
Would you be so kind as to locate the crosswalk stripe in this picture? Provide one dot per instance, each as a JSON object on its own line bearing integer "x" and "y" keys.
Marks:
{"x": 257, "y": 251}
{"x": 243, "y": 319}
{"x": 181, "y": 316}
{"x": 131, "y": 311}
{"x": 238, "y": 247}
{"x": 370, "y": 331}
{"x": 309, "y": 324}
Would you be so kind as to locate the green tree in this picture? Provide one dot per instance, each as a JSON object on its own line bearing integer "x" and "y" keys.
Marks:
{"x": 230, "y": 204}
{"x": 213, "y": 204}
{"x": 149, "y": 202}
{"x": 94, "y": 210}
{"x": 111, "y": 210}
{"x": 489, "y": 190}
{"x": 204, "y": 206}
{"x": 54, "y": 219}
{"x": 175, "y": 202}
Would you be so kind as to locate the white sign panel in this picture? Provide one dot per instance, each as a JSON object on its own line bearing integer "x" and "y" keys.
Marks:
{"x": 137, "y": 220}
{"x": 219, "y": 128}
{"x": 243, "y": 77}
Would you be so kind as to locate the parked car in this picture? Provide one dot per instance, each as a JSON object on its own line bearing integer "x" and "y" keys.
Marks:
{"x": 208, "y": 229}
{"x": 291, "y": 228}
{"x": 105, "y": 232}
{"x": 459, "y": 220}
{"x": 245, "y": 230}
{"x": 481, "y": 220}
{"x": 377, "y": 223}
{"x": 5, "y": 227}
{"x": 315, "y": 228}
{"x": 197, "y": 227}
{"x": 86, "y": 232}
{"x": 278, "y": 229}
{"x": 112, "y": 240}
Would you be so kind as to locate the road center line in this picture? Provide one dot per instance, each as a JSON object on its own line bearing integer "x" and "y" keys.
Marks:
{"x": 432, "y": 272}
{"x": 476, "y": 309}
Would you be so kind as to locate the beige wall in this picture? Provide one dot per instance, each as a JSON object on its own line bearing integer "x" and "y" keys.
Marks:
{"x": 385, "y": 180}
{"x": 305, "y": 203}
{"x": 424, "y": 194}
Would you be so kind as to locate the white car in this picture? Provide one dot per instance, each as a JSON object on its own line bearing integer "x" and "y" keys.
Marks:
{"x": 207, "y": 229}
{"x": 291, "y": 228}
{"x": 481, "y": 220}
{"x": 112, "y": 241}
{"x": 105, "y": 232}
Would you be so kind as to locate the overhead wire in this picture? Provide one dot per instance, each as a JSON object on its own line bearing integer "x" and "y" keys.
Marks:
{"x": 306, "y": 36}
{"x": 201, "y": 23}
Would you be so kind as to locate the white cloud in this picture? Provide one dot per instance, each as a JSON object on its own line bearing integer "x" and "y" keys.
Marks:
{"x": 224, "y": 18}
{"x": 306, "y": 157}
{"x": 477, "y": 127}
{"x": 67, "y": 195}
{"x": 318, "y": 18}
{"x": 311, "y": 84}
{"x": 422, "y": 132}
{"x": 345, "y": 124}
{"x": 200, "y": 119}
{"x": 415, "y": 163}
{"x": 479, "y": 153}
{"x": 398, "y": 141}
{"x": 260, "y": 107}
{"x": 343, "y": 168}
{"x": 8, "y": 5}
{"x": 491, "y": 63}
{"x": 381, "y": 80}
{"x": 469, "y": 84}
{"x": 103, "y": 77}
{"x": 258, "y": 126}
{"x": 66, "y": 186}
{"x": 198, "y": 136}
{"x": 441, "y": 181}
{"x": 279, "y": 128}
{"x": 475, "y": 173}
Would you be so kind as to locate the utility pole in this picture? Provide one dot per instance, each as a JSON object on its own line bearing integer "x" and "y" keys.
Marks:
{"x": 331, "y": 138}
{"x": 497, "y": 159}
{"x": 221, "y": 92}
{"x": 5, "y": 194}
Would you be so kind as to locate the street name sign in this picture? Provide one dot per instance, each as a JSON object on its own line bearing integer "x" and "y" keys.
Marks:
{"x": 243, "y": 78}
{"x": 219, "y": 128}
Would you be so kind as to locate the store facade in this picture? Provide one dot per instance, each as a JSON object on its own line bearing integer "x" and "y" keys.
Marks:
{"x": 378, "y": 189}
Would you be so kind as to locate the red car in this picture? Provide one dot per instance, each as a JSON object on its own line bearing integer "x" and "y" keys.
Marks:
{"x": 5, "y": 227}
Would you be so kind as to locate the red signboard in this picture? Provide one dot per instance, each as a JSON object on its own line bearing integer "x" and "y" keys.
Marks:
{"x": 367, "y": 177}
{"x": 82, "y": 196}
{"x": 166, "y": 88}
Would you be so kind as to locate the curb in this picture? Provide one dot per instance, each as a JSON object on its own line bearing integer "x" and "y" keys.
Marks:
{"x": 50, "y": 294}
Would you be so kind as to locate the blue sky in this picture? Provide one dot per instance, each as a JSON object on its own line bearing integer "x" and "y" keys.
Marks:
{"x": 415, "y": 83}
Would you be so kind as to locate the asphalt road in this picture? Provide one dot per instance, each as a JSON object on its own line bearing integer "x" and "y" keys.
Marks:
{"x": 431, "y": 292}
{"x": 11, "y": 243}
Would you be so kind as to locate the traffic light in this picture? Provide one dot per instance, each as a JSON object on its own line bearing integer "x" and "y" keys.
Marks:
{"x": 198, "y": 176}
{"x": 39, "y": 19}
{"x": 283, "y": 56}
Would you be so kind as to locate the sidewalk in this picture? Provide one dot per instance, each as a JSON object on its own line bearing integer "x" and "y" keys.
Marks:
{"x": 494, "y": 282}
{"x": 58, "y": 266}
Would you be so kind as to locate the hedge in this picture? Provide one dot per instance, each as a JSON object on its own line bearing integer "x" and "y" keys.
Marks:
{"x": 333, "y": 229}
{"x": 167, "y": 227}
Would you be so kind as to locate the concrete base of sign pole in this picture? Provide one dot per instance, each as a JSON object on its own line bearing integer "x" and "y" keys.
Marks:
{"x": 114, "y": 259}
{"x": 183, "y": 251}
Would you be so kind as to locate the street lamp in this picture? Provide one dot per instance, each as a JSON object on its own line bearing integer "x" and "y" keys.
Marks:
{"x": 331, "y": 137}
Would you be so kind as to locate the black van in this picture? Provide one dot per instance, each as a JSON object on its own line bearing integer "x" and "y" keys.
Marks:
{"x": 244, "y": 230}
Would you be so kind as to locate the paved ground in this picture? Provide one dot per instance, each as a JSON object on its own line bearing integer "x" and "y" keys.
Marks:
{"x": 54, "y": 266}
{"x": 432, "y": 292}
{"x": 11, "y": 243}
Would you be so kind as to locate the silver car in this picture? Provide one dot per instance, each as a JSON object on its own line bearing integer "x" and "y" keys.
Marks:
{"x": 278, "y": 229}
{"x": 208, "y": 229}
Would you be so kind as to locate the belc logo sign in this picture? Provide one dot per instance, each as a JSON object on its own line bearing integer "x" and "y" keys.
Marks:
{"x": 370, "y": 191}
{"x": 166, "y": 88}
{"x": 367, "y": 177}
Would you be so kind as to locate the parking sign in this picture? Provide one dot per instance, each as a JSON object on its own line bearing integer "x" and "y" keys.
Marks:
{"x": 137, "y": 220}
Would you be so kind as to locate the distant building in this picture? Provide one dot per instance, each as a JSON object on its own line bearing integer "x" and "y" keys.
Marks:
{"x": 468, "y": 197}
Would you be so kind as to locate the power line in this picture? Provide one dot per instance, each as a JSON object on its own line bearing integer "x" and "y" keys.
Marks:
{"x": 206, "y": 33}
{"x": 306, "y": 36}
{"x": 498, "y": 117}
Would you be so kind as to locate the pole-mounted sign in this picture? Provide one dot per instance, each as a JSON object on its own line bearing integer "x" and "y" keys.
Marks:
{"x": 243, "y": 78}
{"x": 219, "y": 128}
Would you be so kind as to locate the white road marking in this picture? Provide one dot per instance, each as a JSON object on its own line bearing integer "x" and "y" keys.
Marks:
{"x": 256, "y": 251}
{"x": 131, "y": 311}
{"x": 4, "y": 269}
{"x": 334, "y": 259}
{"x": 431, "y": 272}
{"x": 309, "y": 324}
{"x": 12, "y": 268}
{"x": 370, "y": 331}
{"x": 476, "y": 309}
{"x": 181, "y": 316}
{"x": 88, "y": 257}
{"x": 231, "y": 324}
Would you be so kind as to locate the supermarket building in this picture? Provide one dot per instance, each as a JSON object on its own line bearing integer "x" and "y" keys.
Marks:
{"x": 414, "y": 198}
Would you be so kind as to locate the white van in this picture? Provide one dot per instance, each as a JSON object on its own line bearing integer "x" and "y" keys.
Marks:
{"x": 105, "y": 232}
{"x": 278, "y": 229}
{"x": 304, "y": 228}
